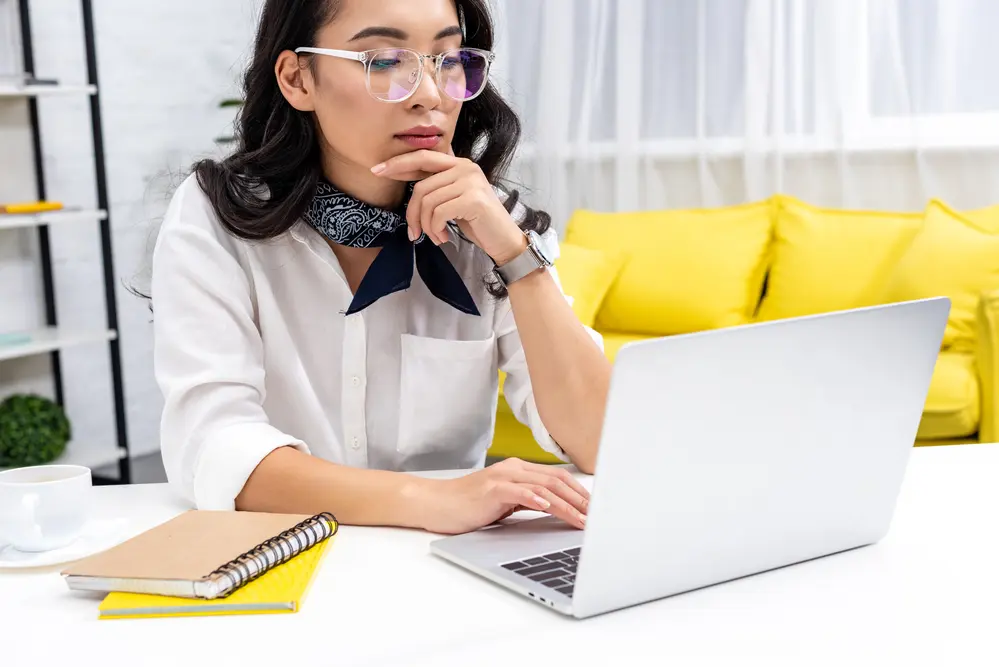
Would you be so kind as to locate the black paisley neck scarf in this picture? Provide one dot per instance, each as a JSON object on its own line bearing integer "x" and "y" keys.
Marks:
{"x": 349, "y": 221}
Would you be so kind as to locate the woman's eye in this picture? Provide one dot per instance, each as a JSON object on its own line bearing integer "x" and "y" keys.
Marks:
{"x": 384, "y": 63}
{"x": 450, "y": 63}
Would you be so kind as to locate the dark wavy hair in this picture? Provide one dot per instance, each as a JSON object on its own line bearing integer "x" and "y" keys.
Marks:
{"x": 278, "y": 146}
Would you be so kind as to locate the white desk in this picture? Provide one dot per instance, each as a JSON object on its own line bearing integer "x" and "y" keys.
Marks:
{"x": 928, "y": 593}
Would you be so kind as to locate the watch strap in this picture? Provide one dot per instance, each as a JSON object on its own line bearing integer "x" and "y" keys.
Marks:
{"x": 520, "y": 266}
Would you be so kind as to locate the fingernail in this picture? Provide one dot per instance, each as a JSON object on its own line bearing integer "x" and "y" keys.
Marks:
{"x": 413, "y": 235}
{"x": 542, "y": 503}
{"x": 582, "y": 519}
{"x": 378, "y": 168}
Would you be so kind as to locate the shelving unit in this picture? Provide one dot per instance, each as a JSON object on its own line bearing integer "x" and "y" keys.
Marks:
{"x": 45, "y": 91}
{"x": 51, "y": 339}
{"x": 52, "y": 218}
{"x": 90, "y": 457}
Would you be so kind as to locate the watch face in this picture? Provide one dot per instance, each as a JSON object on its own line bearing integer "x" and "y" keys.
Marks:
{"x": 541, "y": 246}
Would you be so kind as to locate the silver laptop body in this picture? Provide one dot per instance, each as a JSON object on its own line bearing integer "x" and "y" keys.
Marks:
{"x": 731, "y": 452}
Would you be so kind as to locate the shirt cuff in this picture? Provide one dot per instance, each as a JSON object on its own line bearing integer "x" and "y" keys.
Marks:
{"x": 228, "y": 458}
{"x": 541, "y": 434}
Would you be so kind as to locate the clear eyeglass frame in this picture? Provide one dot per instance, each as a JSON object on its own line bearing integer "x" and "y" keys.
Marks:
{"x": 366, "y": 58}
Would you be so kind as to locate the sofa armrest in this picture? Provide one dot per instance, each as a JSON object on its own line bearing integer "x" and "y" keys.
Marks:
{"x": 987, "y": 359}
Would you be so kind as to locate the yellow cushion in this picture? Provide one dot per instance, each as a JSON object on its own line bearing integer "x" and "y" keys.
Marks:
{"x": 949, "y": 257}
{"x": 586, "y": 275}
{"x": 953, "y": 405}
{"x": 986, "y": 219}
{"x": 613, "y": 341}
{"x": 686, "y": 270}
{"x": 987, "y": 362}
{"x": 826, "y": 260}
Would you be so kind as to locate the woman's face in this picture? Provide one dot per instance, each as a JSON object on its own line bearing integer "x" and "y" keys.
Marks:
{"x": 359, "y": 130}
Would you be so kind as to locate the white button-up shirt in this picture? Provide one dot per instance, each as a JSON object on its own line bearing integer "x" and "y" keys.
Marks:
{"x": 253, "y": 352}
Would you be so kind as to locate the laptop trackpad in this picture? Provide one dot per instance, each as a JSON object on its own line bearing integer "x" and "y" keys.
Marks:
{"x": 513, "y": 540}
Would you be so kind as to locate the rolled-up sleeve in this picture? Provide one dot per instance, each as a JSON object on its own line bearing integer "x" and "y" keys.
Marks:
{"x": 517, "y": 387}
{"x": 208, "y": 357}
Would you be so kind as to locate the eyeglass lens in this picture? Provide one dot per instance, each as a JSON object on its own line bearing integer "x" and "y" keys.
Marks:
{"x": 393, "y": 73}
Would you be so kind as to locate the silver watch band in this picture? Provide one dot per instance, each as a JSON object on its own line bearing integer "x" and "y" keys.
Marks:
{"x": 520, "y": 266}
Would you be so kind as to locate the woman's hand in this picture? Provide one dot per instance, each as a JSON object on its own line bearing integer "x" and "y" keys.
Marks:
{"x": 453, "y": 188}
{"x": 468, "y": 503}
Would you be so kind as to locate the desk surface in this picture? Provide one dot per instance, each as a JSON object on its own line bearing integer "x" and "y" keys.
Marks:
{"x": 929, "y": 592}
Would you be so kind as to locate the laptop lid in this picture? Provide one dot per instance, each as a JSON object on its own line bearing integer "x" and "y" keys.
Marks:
{"x": 730, "y": 452}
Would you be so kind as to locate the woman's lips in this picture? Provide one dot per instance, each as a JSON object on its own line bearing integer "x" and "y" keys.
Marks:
{"x": 420, "y": 140}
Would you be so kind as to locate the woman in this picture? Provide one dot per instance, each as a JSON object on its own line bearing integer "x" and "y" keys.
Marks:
{"x": 304, "y": 361}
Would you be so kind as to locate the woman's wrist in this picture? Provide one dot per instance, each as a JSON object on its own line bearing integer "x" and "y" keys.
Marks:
{"x": 511, "y": 250}
{"x": 415, "y": 496}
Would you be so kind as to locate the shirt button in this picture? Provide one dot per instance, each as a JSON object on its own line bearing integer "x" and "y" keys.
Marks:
{"x": 356, "y": 381}
{"x": 355, "y": 443}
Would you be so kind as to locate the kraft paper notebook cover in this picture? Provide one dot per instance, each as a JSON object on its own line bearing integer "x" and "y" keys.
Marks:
{"x": 280, "y": 590}
{"x": 201, "y": 554}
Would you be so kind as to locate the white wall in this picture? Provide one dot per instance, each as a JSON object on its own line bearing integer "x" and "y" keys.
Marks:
{"x": 163, "y": 68}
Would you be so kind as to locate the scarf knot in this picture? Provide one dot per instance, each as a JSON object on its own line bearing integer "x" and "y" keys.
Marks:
{"x": 348, "y": 221}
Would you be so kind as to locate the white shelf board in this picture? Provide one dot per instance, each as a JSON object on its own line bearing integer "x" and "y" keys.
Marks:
{"x": 89, "y": 457}
{"x": 17, "y": 221}
{"x": 48, "y": 340}
{"x": 45, "y": 91}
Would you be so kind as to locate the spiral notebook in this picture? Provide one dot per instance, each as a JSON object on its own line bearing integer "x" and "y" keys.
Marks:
{"x": 203, "y": 555}
{"x": 280, "y": 590}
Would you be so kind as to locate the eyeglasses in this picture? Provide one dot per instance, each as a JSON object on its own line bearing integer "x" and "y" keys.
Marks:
{"x": 393, "y": 75}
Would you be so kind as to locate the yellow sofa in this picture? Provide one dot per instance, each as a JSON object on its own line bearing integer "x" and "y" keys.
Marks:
{"x": 658, "y": 273}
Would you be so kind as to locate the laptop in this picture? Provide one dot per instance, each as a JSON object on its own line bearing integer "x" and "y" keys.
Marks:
{"x": 727, "y": 453}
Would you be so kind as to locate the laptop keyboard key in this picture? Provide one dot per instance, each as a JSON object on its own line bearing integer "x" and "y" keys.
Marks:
{"x": 556, "y": 570}
{"x": 538, "y": 569}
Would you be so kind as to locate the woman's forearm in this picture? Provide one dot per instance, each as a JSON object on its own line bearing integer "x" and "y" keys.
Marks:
{"x": 288, "y": 481}
{"x": 569, "y": 373}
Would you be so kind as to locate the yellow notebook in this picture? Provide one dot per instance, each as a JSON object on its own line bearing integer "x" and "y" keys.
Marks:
{"x": 30, "y": 207}
{"x": 280, "y": 590}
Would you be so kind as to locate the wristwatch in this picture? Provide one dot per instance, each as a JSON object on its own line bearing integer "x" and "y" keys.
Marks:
{"x": 537, "y": 256}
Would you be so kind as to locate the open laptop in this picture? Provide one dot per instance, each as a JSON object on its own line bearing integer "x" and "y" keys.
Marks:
{"x": 731, "y": 452}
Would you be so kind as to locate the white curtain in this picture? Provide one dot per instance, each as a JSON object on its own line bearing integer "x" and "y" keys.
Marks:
{"x": 644, "y": 104}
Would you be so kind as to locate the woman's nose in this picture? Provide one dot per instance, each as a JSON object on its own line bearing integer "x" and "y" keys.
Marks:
{"x": 427, "y": 94}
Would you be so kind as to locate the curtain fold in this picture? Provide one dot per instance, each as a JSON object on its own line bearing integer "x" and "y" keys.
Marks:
{"x": 643, "y": 104}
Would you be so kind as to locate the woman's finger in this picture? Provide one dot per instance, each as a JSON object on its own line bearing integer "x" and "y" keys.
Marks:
{"x": 404, "y": 167}
{"x": 556, "y": 486}
{"x": 435, "y": 199}
{"x": 420, "y": 192}
{"x": 513, "y": 494}
{"x": 562, "y": 474}
{"x": 443, "y": 213}
{"x": 559, "y": 507}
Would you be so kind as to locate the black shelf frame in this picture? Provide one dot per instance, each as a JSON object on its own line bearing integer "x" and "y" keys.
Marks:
{"x": 107, "y": 255}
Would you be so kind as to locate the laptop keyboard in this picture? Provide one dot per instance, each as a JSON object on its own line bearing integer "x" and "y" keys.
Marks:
{"x": 555, "y": 570}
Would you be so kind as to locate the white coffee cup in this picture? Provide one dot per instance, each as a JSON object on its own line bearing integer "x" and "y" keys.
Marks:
{"x": 44, "y": 507}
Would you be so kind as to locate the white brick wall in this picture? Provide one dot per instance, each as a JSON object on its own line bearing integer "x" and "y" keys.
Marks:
{"x": 163, "y": 68}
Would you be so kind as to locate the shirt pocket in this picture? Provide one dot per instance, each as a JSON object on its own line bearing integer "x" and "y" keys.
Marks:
{"x": 447, "y": 398}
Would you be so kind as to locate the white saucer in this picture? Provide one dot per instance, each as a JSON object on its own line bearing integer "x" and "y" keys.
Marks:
{"x": 98, "y": 535}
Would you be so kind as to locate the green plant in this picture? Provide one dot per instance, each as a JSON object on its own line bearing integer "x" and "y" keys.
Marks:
{"x": 33, "y": 430}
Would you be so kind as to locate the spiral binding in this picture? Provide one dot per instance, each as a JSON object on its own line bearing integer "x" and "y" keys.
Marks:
{"x": 248, "y": 566}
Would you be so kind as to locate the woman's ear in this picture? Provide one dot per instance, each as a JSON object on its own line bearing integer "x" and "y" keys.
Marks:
{"x": 295, "y": 81}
